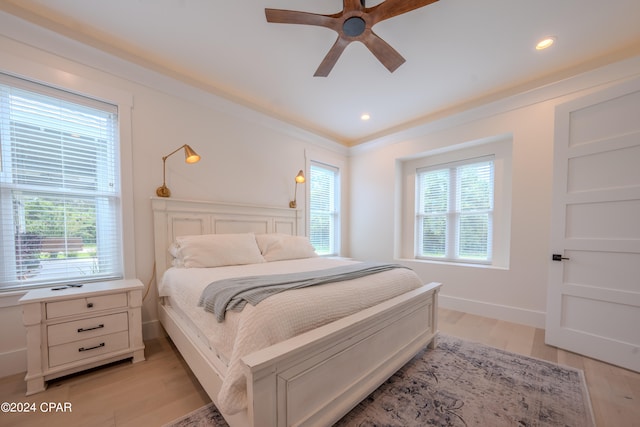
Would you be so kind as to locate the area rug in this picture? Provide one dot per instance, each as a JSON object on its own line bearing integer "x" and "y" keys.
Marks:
{"x": 461, "y": 384}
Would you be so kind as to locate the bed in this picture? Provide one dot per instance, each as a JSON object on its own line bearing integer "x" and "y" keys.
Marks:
{"x": 313, "y": 377}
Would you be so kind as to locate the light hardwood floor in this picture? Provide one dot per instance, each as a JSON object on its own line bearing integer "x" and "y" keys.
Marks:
{"x": 162, "y": 388}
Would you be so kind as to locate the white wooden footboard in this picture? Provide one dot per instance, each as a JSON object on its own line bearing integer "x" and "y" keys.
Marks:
{"x": 316, "y": 378}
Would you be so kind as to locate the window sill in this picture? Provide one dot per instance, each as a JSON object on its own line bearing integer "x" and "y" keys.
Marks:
{"x": 452, "y": 264}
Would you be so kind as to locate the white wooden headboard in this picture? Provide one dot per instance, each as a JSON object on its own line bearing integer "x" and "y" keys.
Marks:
{"x": 173, "y": 217}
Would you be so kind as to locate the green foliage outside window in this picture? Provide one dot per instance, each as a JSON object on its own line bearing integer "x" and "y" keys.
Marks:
{"x": 50, "y": 218}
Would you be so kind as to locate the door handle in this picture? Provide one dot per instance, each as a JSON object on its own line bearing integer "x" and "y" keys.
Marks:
{"x": 558, "y": 257}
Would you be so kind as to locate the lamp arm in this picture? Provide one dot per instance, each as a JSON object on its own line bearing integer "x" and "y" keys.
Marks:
{"x": 164, "y": 159}
{"x": 164, "y": 164}
{"x": 164, "y": 171}
{"x": 293, "y": 204}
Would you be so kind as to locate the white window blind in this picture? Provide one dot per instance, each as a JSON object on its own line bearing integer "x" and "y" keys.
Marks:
{"x": 59, "y": 187}
{"x": 454, "y": 218}
{"x": 323, "y": 208}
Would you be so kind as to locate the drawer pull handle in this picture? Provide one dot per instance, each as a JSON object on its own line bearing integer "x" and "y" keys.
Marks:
{"x": 91, "y": 329}
{"x": 89, "y": 305}
{"x": 81, "y": 349}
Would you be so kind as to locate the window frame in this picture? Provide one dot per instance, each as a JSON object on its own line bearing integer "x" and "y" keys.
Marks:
{"x": 334, "y": 234}
{"x": 15, "y": 68}
{"x": 453, "y": 213}
{"x": 501, "y": 147}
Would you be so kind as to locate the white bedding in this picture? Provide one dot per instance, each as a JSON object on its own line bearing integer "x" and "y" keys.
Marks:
{"x": 277, "y": 318}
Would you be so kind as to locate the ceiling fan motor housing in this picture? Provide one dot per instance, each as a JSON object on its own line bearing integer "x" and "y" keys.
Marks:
{"x": 354, "y": 26}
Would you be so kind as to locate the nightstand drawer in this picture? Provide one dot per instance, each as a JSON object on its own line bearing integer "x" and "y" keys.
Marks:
{"x": 78, "y": 350}
{"x": 85, "y": 305}
{"x": 86, "y": 328}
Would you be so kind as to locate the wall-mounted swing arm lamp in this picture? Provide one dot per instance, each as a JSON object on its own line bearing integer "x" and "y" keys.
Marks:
{"x": 190, "y": 156}
{"x": 299, "y": 180}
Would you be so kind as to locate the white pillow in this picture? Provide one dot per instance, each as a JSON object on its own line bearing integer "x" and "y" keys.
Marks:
{"x": 278, "y": 247}
{"x": 217, "y": 250}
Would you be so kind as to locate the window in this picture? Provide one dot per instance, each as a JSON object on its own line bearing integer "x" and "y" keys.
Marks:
{"x": 323, "y": 208}
{"x": 454, "y": 218}
{"x": 59, "y": 187}
{"x": 439, "y": 223}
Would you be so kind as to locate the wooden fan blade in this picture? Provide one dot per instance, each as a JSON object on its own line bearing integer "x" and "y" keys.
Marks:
{"x": 281, "y": 16}
{"x": 390, "y": 8}
{"x": 387, "y": 55}
{"x": 349, "y": 5}
{"x": 331, "y": 58}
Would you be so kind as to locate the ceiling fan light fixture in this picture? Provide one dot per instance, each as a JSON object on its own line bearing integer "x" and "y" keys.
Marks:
{"x": 545, "y": 43}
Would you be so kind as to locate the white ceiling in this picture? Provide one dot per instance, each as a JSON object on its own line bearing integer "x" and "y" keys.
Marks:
{"x": 458, "y": 53}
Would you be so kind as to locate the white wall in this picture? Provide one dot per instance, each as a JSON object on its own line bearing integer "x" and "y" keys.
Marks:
{"x": 518, "y": 292}
{"x": 247, "y": 157}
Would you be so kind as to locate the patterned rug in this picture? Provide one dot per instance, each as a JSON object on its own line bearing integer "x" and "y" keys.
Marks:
{"x": 462, "y": 384}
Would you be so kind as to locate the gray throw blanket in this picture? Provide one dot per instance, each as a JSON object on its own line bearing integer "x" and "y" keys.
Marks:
{"x": 233, "y": 294}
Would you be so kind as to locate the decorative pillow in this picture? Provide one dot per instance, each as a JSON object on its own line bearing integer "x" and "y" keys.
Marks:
{"x": 174, "y": 250}
{"x": 217, "y": 250}
{"x": 278, "y": 247}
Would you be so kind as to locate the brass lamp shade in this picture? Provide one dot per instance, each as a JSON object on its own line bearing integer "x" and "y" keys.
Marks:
{"x": 300, "y": 179}
{"x": 190, "y": 156}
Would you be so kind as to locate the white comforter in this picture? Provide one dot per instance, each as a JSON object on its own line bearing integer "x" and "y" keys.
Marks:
{"x": 279, "y": 317}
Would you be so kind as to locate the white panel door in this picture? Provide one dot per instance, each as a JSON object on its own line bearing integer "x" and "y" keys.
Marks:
{"x": 593, "y": 300}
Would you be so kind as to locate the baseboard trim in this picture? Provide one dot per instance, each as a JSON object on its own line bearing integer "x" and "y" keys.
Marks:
{"x": 152, "y": 329}
{"x": 494, "y": 311}
{"x": 13, "y": 362}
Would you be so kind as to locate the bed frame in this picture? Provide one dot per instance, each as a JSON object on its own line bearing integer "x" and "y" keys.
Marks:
{"x": 314, "y": 378}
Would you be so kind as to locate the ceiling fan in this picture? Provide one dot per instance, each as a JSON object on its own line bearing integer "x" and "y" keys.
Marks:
{"x": 354, "y": 23}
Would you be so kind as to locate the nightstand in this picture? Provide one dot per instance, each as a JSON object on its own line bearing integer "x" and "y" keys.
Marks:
{"x": 77, "y": 328}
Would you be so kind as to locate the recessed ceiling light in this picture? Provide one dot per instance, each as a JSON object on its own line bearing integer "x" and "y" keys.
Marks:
{"x": 545, "y": 43}
{"x": 365, "y": 117}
